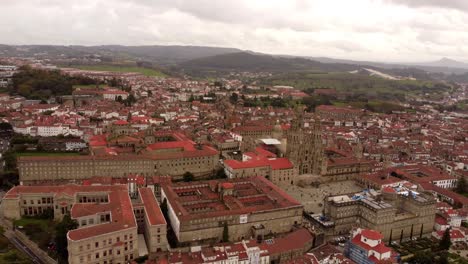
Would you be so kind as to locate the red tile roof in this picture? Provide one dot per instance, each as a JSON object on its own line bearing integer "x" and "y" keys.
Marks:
{"x": 152, "y": 209}
{"x": 371, "y": 234}
{"x": 380, "y": 248}
{"x": 275, "y": 164}
{"x": 119, "y": 206}
{"x": 253, "y": 194}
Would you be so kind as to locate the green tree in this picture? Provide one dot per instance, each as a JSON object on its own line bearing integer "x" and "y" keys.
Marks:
{"x": 445, "y": 242}
{"x": 188, "y": 177}
{"x": 225, "y": 232}
{"x": 61, "y": 241}
{"x": 422, "y": 257}
{"x": 443, "y": 258}
{"x": 233, "y": 98}
{"x": 192, "y": 98}
{"x": 461, "y": 185}
{"x": 130, "y": 100}
{"x": 10, "y": 160}
{"x": 6, "y": 129}
{"x": 220, "y": 174}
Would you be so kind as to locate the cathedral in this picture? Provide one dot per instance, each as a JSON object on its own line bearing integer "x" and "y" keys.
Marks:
{"x": 304, "y": 146}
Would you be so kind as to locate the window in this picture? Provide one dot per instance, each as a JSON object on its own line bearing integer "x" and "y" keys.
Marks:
{"x": 97, "y": 255}
{"x": 81, "y": 248}
{"x": 97, "y": 244}
{"x": 88, "y": 246}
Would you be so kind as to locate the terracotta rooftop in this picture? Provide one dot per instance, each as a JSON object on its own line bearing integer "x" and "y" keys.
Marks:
{"x": 251, "y": 195}
{"x": 152, "y": 210}
{"x": 119, "y": 205}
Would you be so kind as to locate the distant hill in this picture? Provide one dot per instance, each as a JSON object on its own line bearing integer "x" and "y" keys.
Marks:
{"x": 198, "y": 60}
{"x": 245, "y": 61}
{"x": 168, "y": 54}
{"x": 446, "y": 63}
{"x": 159, "y": 54}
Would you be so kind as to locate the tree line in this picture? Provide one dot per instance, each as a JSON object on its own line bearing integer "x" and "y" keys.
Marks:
{"x": 42, "y": 84}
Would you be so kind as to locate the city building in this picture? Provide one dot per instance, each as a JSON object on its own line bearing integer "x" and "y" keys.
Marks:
{"x": 107, "y": 227}
{"x": 280, "y": 171}
{"x": 396, "y": 212}
{"x": 119, "y": 155}
{"x": 305, "y": 147}
{"x": 366, "y": 246}
{"x": 247, "y": 207}
{"x": 338, "y": 113}
{"x": 339, "y": 166}
{"x": 273, "y": 250}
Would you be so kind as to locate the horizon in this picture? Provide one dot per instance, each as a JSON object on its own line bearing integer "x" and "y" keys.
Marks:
{"x": 242, "y": 50}
{"x": 395, "y": 31}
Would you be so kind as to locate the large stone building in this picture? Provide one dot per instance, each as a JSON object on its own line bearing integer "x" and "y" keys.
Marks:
{"x": 107, "y": 227}
{"x": 264, "y": 163}
{"x": 304, "y": 146}
{"x": 250, "y": 135}
{"x": 280, "y": 171}
{"x": 341, "y": 167}
{"x": 118, "y": 155}
{"x": 338, "y": 113}
{"x": 247, "y": 208}
{"x": 396, "y": 212}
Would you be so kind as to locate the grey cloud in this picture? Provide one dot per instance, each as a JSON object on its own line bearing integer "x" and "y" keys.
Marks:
{"x": 303, "y": 27}
{"x": 453, "y": 4}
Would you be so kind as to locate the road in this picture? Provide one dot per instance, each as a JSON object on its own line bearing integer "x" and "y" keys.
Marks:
{"x": 18, "y": 244}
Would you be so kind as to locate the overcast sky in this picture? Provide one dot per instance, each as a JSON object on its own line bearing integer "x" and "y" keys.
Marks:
{"x": 383, "y": 30}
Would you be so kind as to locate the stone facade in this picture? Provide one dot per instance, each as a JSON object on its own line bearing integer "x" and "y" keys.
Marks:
{"x": 304, "y": 147}
{"x": 250, "y": 207}
{"x": 107, "y": 227}
{"x": 38, "y": 169}
{"x": 395, "y": 216}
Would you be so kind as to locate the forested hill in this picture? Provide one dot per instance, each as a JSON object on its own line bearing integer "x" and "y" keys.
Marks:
{"x": 244, "y": 61}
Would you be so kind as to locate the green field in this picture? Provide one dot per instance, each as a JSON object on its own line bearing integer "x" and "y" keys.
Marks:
{"x": 371, "y": 86}
{"x": 116, "y": 68}
{"x": 42, "y": 223}
{"x": 50, "y": 154}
